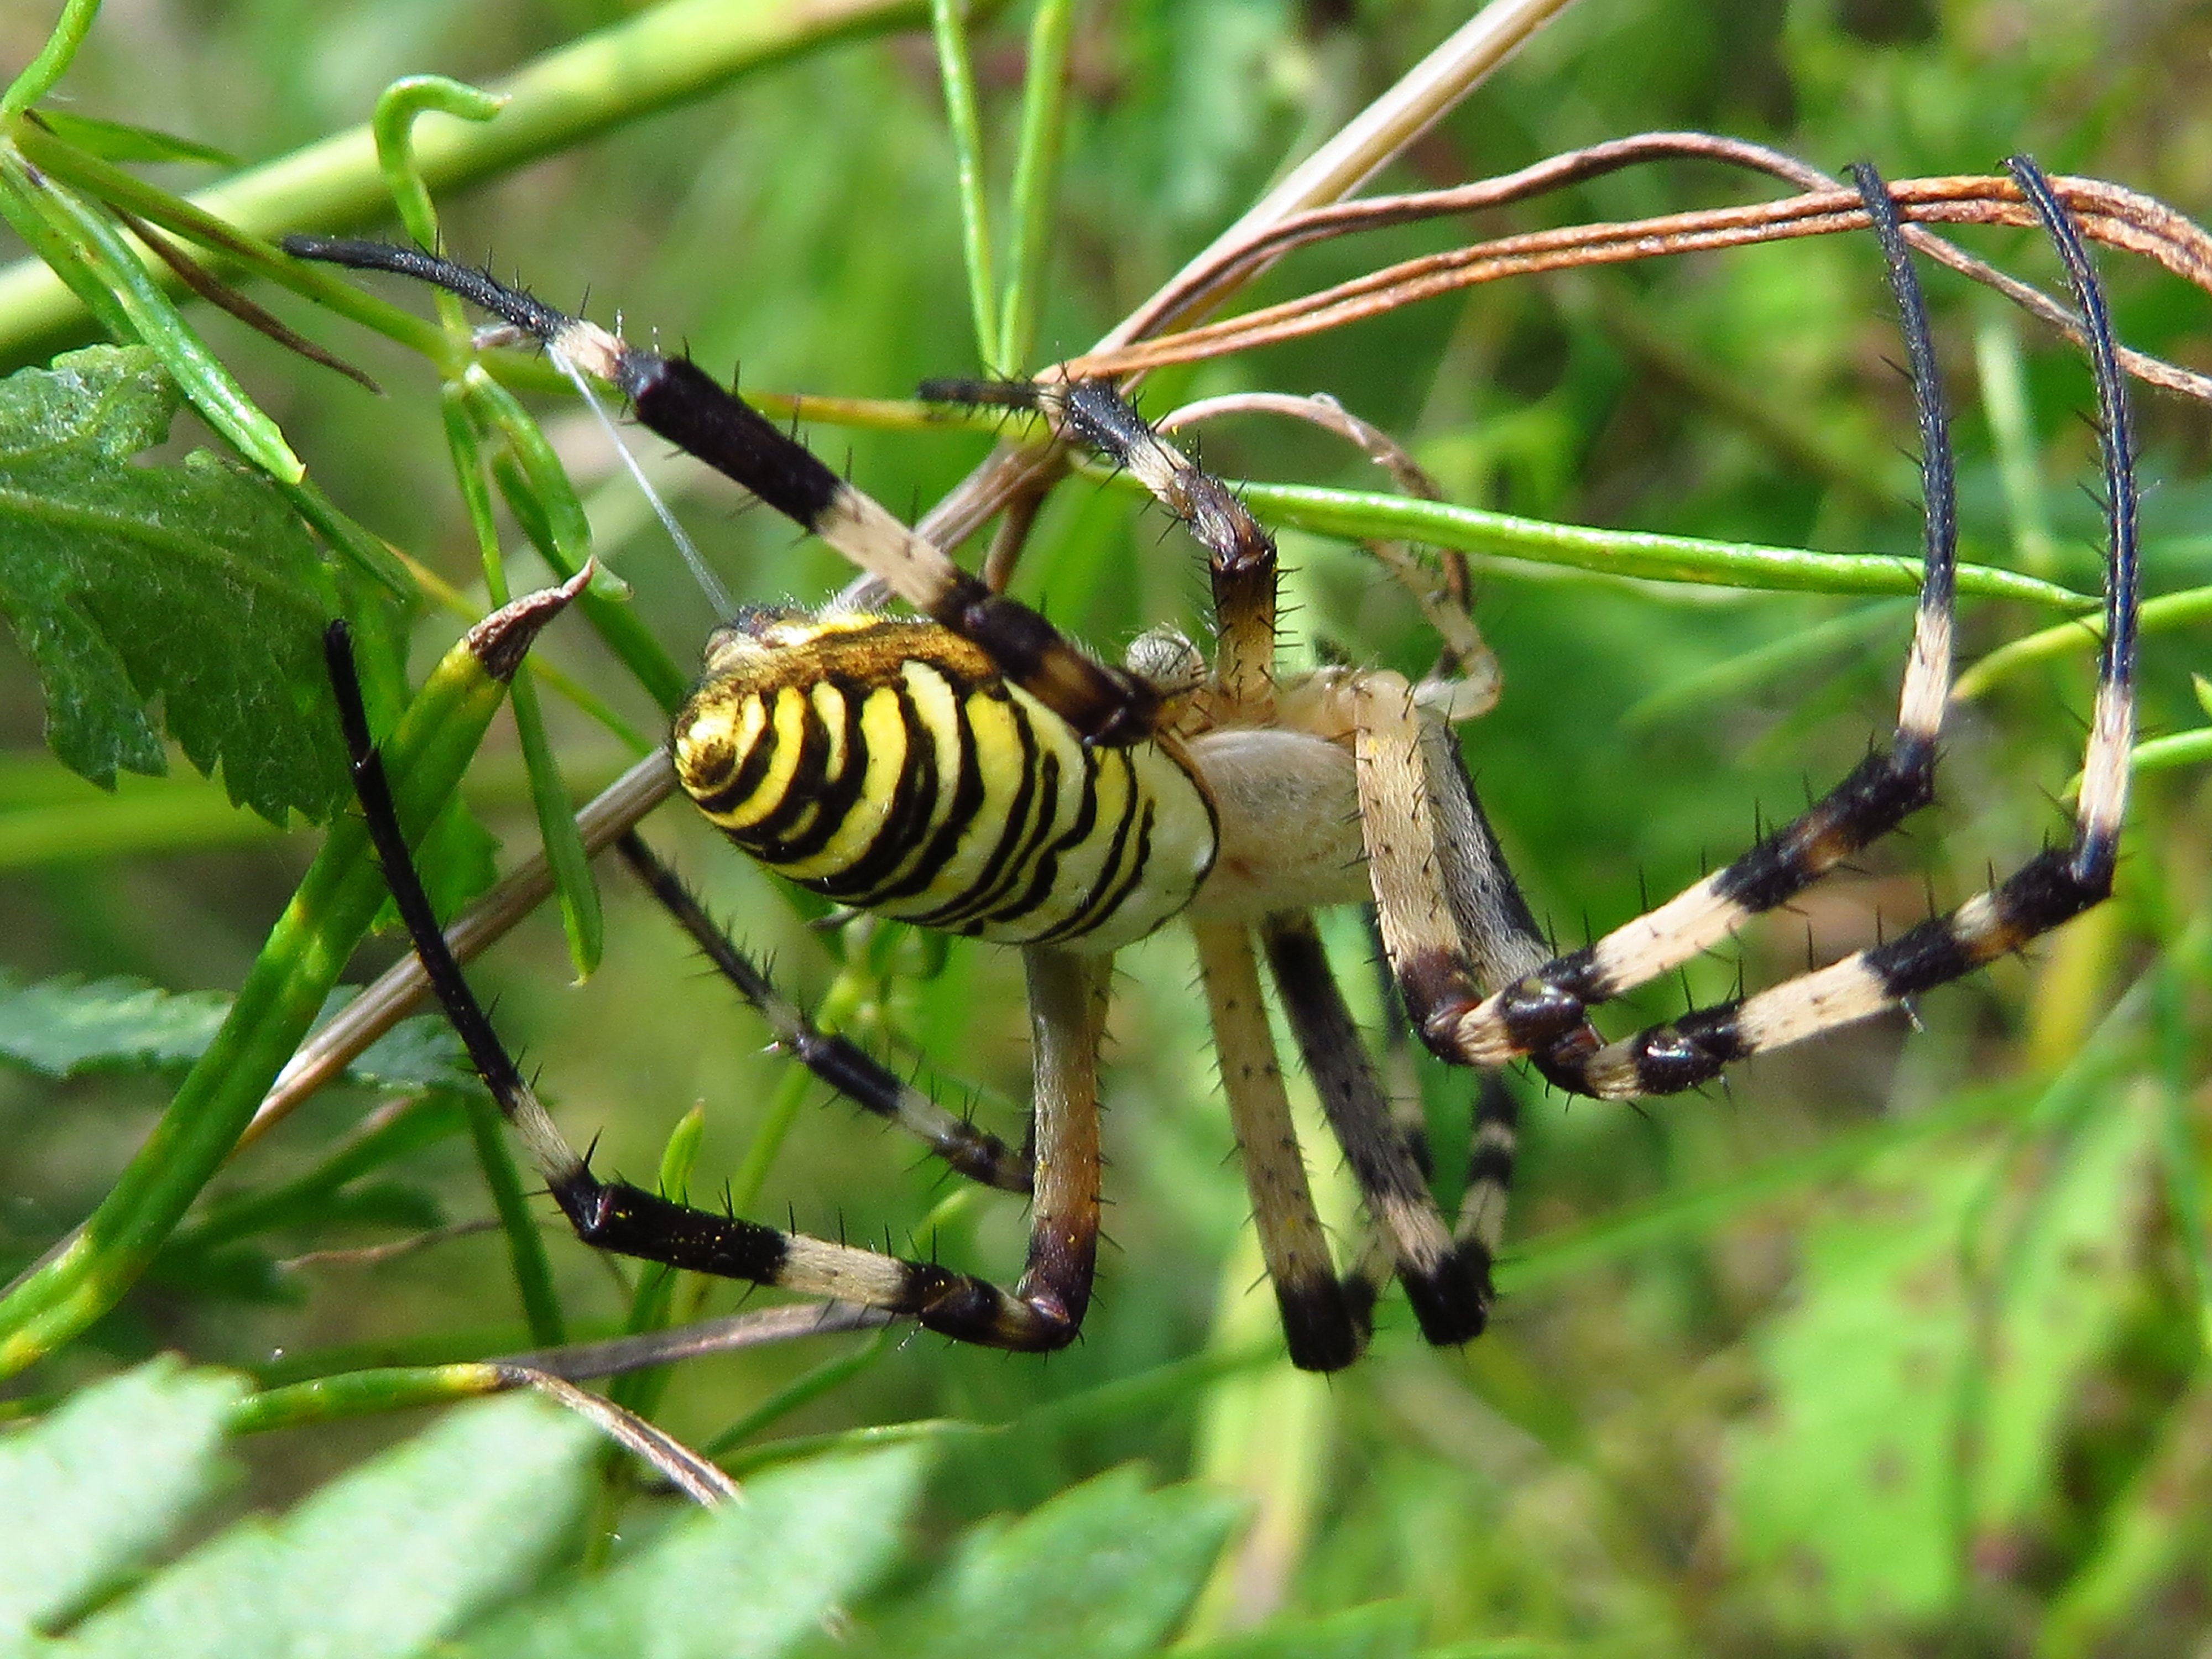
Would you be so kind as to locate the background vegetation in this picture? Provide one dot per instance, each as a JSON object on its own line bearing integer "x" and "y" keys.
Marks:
{"x": 1896, "y": 1345}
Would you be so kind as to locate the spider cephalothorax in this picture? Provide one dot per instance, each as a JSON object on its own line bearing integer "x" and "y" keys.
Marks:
{"x": 973, "y": 771}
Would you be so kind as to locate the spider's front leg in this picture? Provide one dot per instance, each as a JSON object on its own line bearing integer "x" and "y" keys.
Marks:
{"x": 1044, "y": 1311}
{"x": 1540, "y": 1011}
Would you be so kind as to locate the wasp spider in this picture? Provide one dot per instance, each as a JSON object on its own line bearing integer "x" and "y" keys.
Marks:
{"x": 970, "y": 769}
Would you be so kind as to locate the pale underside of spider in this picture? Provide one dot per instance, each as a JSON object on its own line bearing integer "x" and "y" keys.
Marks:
{"x": 971, "y": 771}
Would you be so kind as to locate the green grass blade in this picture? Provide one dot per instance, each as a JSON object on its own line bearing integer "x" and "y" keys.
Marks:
{"x": 669, "y": 54}
{"x": 581, "y": 921}
{"x": 1648, "y": 554}
{"x": 1036, "y": 179}
{"x": 2168, "y": 611}
{"x": 53, "y": 62}
{"x": 948, "y": 22}
{"x": 525, "y": 1247}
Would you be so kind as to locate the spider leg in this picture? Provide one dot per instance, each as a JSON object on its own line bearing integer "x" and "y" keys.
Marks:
{"x": 1880, "y": 792}
{"x": 2053, "y": 888}
{"x": 1496, "y": 1140}
{"x": 1325, "y": 1318}
{"x": 677, "y": 399}
{"x": 1452, "y": 918}
{"x": 1447, "y": 1278}
{"x": 1045, "y": 1309}
{"x": 837, "y": 1061}
{"x": 1240, "y": 553}
{"x": 1542, "y": 1013}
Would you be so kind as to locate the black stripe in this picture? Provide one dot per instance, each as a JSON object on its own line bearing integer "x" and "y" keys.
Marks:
{"x": 1669, "y": 1059}
{"x": 913, "y": 798}
{"x": 959, "y": 815}
{"x": 1450, "y": 1295}
{"x": 1133, "y": 804}
{"x": 803, "y": 788}
{"x": 1051, "y": 778}
{"x": 1044, "y": 874}
{"x": 1451, "y": 1301}
{"x": 751, "y": 770}
{"x": 1320, "y": 1326}
{"x": 616, "y": 1216}
{"x": 1014, "y": 830}
{"x": 676, "y": 399}
{"x": 834, "y": 797}
{"x": 1140, "y": 865}
{"x": 1881, "y": 792}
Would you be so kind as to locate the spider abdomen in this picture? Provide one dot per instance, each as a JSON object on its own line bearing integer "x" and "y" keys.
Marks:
{"x": 885, "y": 764}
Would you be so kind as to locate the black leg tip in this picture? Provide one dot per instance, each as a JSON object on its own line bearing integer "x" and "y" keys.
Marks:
{"x": 1452, "y": 1301}
{"x": 1320, "y": 1326}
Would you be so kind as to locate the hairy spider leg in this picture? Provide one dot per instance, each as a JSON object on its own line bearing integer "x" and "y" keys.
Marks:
{"x": 1044, "y": 1311}
{"x": 1241, "y": 560}
{"x": 677, "y": 399}
{"x": 837, "y": 1061}
{"x": 1527, "y": 1017}
{"x": 1325, "y": 1317}
{"x": 1446, "y": 1278}
{"x": 1445, "y": 1271}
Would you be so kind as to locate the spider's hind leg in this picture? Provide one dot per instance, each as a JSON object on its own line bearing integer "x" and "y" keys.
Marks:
{"x": 2051, "y": 887}
{"x": 1541, "y": 1012}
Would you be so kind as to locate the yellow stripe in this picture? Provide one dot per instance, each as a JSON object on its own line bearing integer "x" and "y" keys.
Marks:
{"x": 884, "y": 733}
{"x": 790, "y": 719}
{"x": 830, "y": 709}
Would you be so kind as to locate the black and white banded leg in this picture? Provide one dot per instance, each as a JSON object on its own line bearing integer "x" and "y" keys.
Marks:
{"x": 1446, "y": 1277}
{"x": 676, "y": 398}
{"x": 1542, "y": 1014}
{"x": 838, "y": 1060}
{"x": 1045, "y": 1309}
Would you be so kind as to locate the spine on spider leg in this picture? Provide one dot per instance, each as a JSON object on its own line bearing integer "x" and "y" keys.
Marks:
{"x": 1890, "y": 785}
{"x": 2060, "y": 882}
{"x": 1327, "y": 1319}
{"x": 1544, "y": 1013}
{"x": 556, "y": 1159}
{"x": 1240, "y": 553}
{"x": 676, "y": 398}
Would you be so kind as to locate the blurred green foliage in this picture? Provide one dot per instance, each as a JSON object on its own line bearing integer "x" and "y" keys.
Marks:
{"x": 1897, "y": 1345}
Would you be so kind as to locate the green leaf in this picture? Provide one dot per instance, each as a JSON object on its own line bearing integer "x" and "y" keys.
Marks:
{"x": 192, "y": 584}
{"x": 65, "y": 1026}
{"x": 1911, "y": 1392}
{"x": 61, "y": 1027}
{"x": 1842, "y": 1488}
{"x": 1106, "y": 1568}
{"x": 87, "y": 1492}
{"x": 2065, "y": 1293}
{"x": 384, "y": 1562}
{"x": 120, "y": 140}
{"x": 753, "y": 1579}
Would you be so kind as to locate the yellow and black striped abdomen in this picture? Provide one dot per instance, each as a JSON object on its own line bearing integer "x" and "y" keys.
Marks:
{"x": 884, "y": 763}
